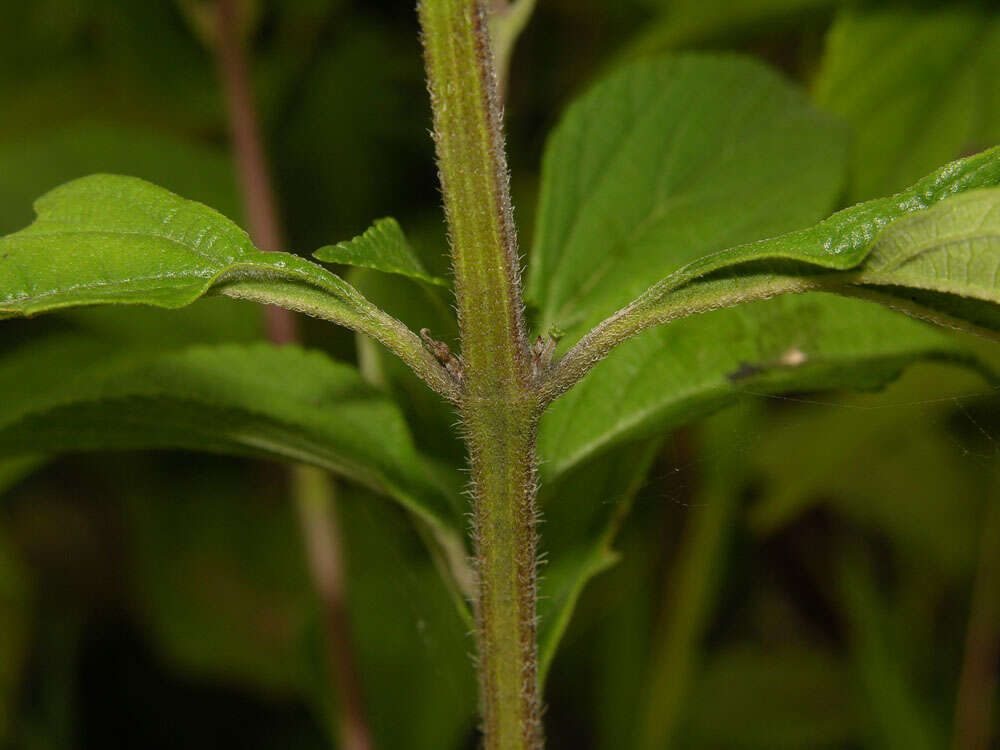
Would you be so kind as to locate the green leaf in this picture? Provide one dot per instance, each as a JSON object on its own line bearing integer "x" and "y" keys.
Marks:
{"x": 13, "y": 470}
{"x": 770, "y": 698}
{"x": 850, "y": 237}
{"x": 861, "y": 456}
{"x": 587, "y": 507}
{"x": 617, "y": 205}
{"x": 218, "y": 575}
{"x": 418, "y": 681}
{"x": 933, "y": 261}
{"x": 898, "y": 715}
{"x": 919, "y": 85}
{"x": 942, "y": 264}
{"x": 382, "y": 247}
{"x": 691, "y": 590}
{"x": 110, "y": 239}
{"x": 286, "y": 404}
{"x": 689, "y": 22}
{"x": 663, "y": 162}
{"x": 113, "y": 239}
{"x": 674, "y": 374}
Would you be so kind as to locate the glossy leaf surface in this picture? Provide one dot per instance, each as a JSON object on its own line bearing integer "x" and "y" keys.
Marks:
{"x": 113, "y": 239}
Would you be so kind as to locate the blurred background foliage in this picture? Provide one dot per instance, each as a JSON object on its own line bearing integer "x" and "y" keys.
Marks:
{"x": 809, "y": 571}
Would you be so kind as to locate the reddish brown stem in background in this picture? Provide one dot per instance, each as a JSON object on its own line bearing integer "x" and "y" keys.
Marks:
{"x": 977, "y": 685}
{"x": 313, "y": 497}
{"x": 248, "y": 151}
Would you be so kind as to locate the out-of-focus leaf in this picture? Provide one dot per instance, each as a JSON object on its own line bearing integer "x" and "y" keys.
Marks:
{"x": 888, "y": 464}
{"x": 689, "y": 596}
{"x": 919, "y": 86}
{"x": 37, "y": 163}
{"x": 13, "y": 470}
{"x": 382, "y": 247}
{"x": 221, "y": 580}
{"x": 359, "y": 109}
{"x": 219, "y": 577}
{"x": 134, "y": 61}
{"x": 62, "y": 395}
{"x": 623, "y": 643}
{"x": 897, "y": 716}
{"x": 977, "y": 685}
{"x": 212, "y": 320}
{"x": 15, "y": 627}
{"x": 792, "y": 697}
{"x": 686, "y": 22}
{"x": 418, "y": 680}
{"x": 587, "y": 508}
{"x": 666, "y": 161}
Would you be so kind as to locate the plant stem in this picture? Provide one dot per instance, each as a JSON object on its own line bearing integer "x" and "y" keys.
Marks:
{"x": 315, "y": 499}
{"x": 977, "y": 685}
{"x": 499, "y": 403}
{"x": 251, "y": 163}
{"x": 310, "y": 486}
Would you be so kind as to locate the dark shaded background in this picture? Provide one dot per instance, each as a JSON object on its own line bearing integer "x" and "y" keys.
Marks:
{"x": 162, "y": 600}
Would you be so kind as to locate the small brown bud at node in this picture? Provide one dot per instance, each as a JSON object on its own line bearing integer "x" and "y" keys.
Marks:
{"x": 443, "y": 354}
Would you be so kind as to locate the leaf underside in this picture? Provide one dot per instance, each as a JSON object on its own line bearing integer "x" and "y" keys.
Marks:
{"x": 71, "y": 393}
{"x": 660, "y": 168}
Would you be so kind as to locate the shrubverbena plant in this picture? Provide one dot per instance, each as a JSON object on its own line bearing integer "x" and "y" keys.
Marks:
{"x": 646, "y": 181}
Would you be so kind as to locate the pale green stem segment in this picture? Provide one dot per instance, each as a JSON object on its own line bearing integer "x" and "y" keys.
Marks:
{"x": 637, "y": 317}
{"x": 498, "y": 401}
{"x": 362, "y": 316}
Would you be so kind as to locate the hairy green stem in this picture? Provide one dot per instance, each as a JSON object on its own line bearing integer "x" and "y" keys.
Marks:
{"x": 498, "y": 401}
{"x": 695, "y": 299}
